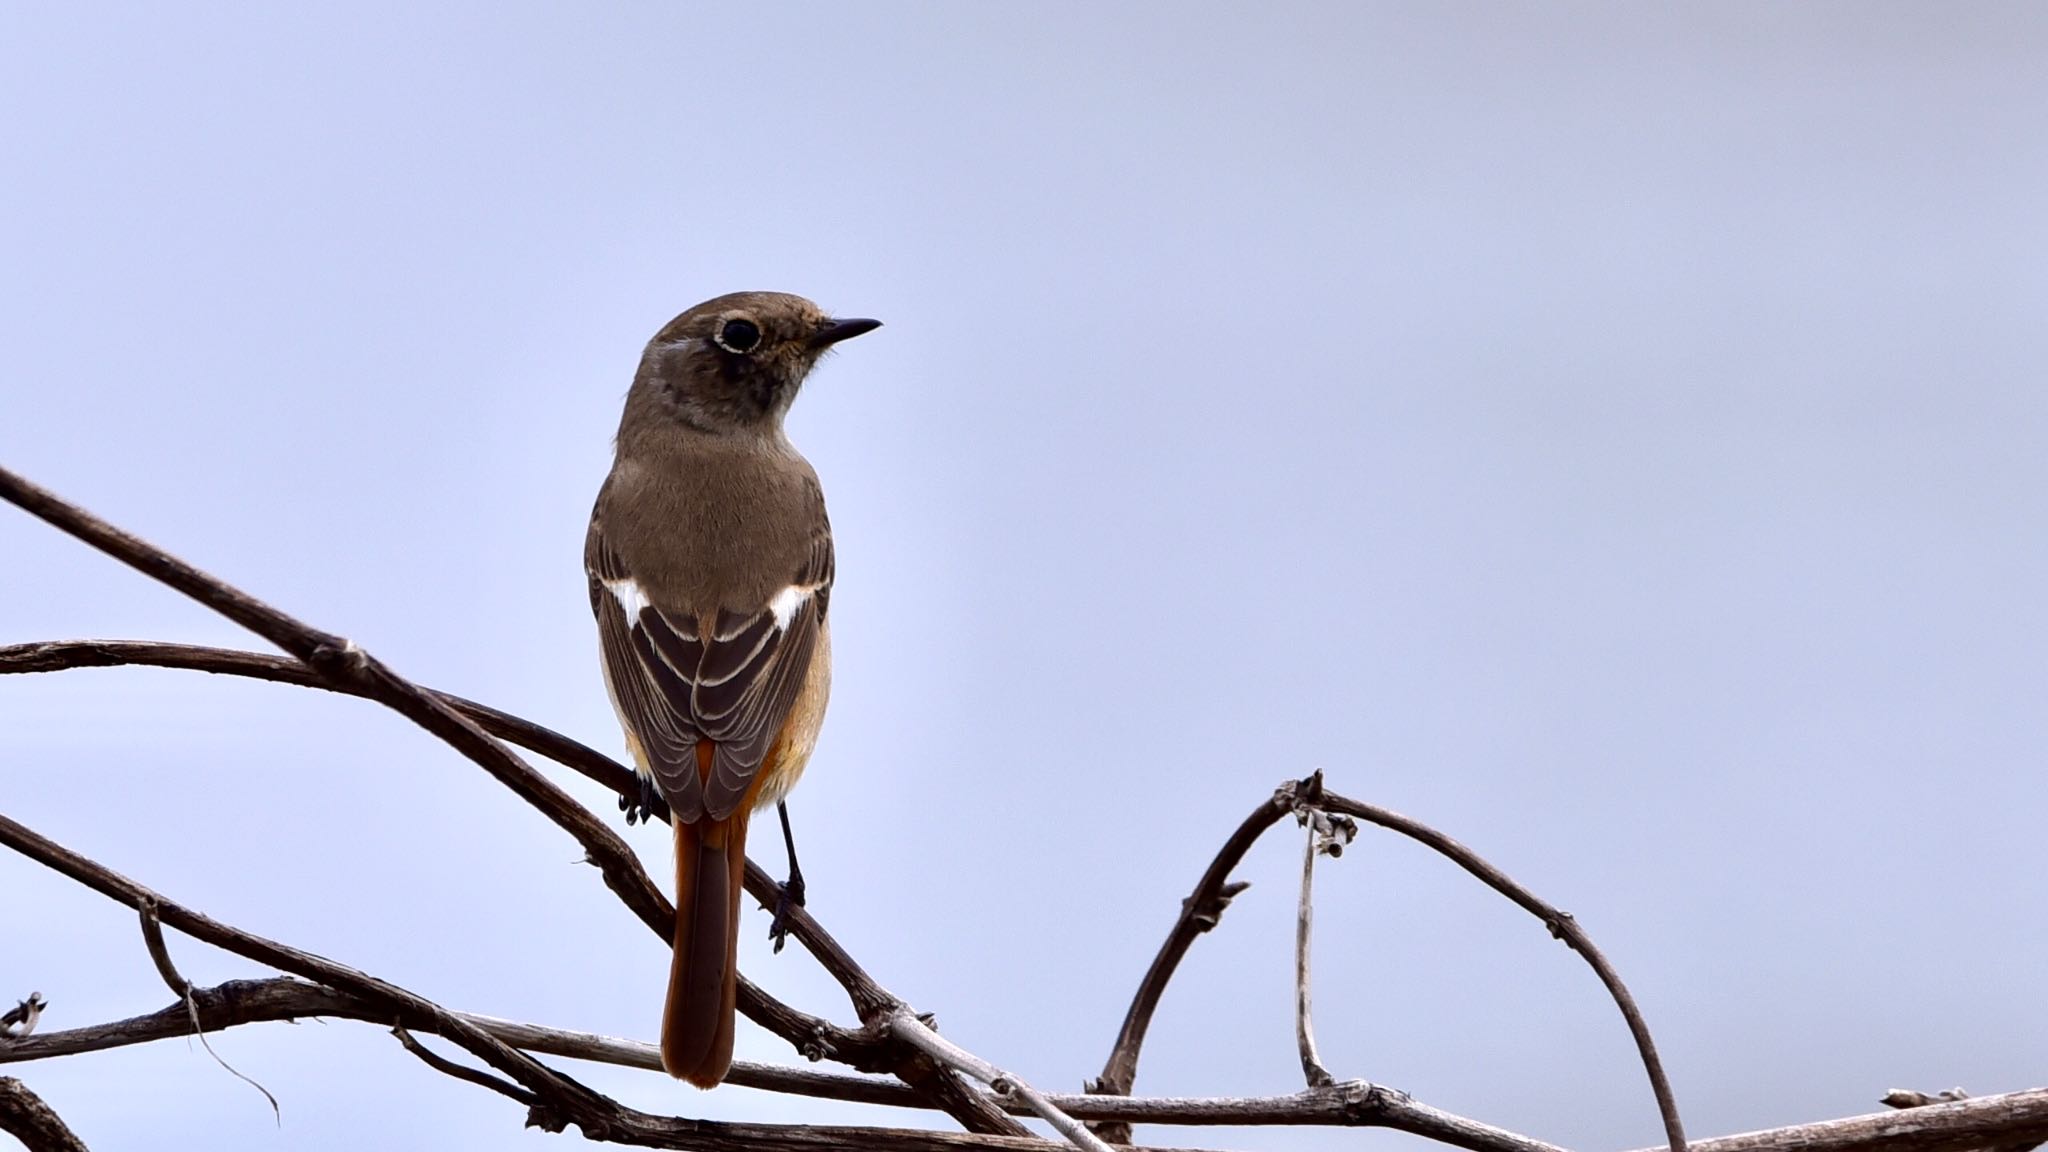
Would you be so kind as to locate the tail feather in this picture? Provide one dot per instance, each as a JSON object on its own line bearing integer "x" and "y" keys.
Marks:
{"x": 703, "y": 981}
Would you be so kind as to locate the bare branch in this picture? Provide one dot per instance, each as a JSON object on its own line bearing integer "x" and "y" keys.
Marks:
{"x": 346, "y": 666}
{"x": 447, "y": 1067}
{"x": 1326, "y": 836}
{"x": 924, "y": 1036}
{"x": 160, "y": 955}
{"x": 1983, "y": 1123}
{"x": 1559, "y": 922}
{"x": 1198, "y": 913}
{"x": 1904, "y": 1098}
{"x": 237, "y": 1002}
{"x": 891, "y": 1038}
{"x": 339, "y": 661}
{"x": 1212, "y": 893}
{"x": 63, "y": 655}
{"x": 24, "y": 1116}
{"x": 563, "y": 1101}
{"x": 342, "y": 663}
{"x": 1961, "y": 1126}
{"x": 814, "y": 1037}
{"x": 558, "y": 1090}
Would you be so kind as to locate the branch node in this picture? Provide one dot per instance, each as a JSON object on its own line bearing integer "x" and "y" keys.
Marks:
{"x": 1560, "y": 925}
{"x": 1364, "y": 1101}
{"x": 1304, "y": 793}
{"x": 339, "y": 658}
{"x": 1205, "y": 910}
{"x": 817, "y": 1046}
{"x": 1907, "y": 1098}
{"x": 449, "y": 1067}
{"x": 160, "y": 955}
{"x": 549, "y": 1120}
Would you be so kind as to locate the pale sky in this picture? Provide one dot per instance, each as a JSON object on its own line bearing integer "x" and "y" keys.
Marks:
{"x": 1616, "y": 435}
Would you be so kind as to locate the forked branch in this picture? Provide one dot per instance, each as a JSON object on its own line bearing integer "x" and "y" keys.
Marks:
{"x": 342, "y": 664}
{"x": 891, "y": 1037}
{"x": 1215, "y": 889}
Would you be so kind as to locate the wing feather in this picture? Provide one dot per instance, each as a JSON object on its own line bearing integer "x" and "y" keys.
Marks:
{"x": 674, "y": 688}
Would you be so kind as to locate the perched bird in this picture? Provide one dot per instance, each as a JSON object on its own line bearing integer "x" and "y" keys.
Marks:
{"x": 710, "y": 563}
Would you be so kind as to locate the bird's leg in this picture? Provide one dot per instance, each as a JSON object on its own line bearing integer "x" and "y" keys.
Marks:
{"x": 790, "y": 893}
{"x": 643, "y": 809}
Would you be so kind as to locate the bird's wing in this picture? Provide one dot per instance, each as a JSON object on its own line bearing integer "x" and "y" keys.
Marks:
{"x": 723, "y": 677}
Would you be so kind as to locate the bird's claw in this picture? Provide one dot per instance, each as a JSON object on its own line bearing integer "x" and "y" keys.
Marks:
{"x": 644, "y": 808}
{"x": 788, "y": 895}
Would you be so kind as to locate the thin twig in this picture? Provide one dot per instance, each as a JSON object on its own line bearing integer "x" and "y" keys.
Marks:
{"x": 447, "y": 1067}
{"x": 573, "y": 1099}
{"x": 239, "y": 1002}
{"x": 160, "y": 955}
{"x": 1198, "y": 913}
{"x": 341, "y": 662}
{"x": 939, "y": 1048}
{"x": 808, "y": 1033}
{"x": 1561, "y": 925}
{"x": 1995, "y": 1121}
{"x": 1326, "y": 836}
{"x": 563, "y": 1101}
{"x": 24, "y": 1116}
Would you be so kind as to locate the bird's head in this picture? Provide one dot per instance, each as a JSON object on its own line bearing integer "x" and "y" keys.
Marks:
{"x": 735, "y": 363}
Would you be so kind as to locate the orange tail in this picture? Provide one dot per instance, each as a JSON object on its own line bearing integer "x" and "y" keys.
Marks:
{"x": 703, "y": 979}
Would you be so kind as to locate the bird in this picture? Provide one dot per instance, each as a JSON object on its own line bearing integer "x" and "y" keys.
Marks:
{"x": 710, "y": 564}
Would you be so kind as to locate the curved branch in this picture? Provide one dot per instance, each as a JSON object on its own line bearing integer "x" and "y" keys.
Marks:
{"x": 558, "y": 1090}
{"x": 1198, "y": 913}
{"x": 463, "y": 1072}
{"x": 338, "y": 661}
{"x": 24, "y": 1116}
{"x": 867, "y": 1050}
{"x": 1981, "y": 1122}
{"x": 240, "y": 1002}
{"x": 1561, "y": 925}
{"x": 342, "y": 663}
{"x": 563, "y": 1101}
{"x": 1213, "y": 893}
{"x": 1004, "y": 1084}
{"x": 811, "y": 1035}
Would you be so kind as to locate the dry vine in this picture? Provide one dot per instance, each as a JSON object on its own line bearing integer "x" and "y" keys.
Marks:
{"x": 891, "y": 1039}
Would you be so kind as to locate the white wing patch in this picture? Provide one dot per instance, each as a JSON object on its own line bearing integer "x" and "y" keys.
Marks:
{"x": 632, "y": 601}
{"x": 786, "y": 603}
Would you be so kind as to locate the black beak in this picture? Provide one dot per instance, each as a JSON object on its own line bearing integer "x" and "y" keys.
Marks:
{"x": 836, "y": 330}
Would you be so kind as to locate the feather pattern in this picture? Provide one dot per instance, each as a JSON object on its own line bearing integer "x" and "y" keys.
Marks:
{"x": 728, "y": 677}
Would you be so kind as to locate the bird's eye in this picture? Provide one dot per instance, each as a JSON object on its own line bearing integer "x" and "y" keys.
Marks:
{"x": 740, "y": 336}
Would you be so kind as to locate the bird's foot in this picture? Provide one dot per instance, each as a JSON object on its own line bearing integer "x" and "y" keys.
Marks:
{"x": 646, "y": 807}
{"x": 788, "y": 895}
